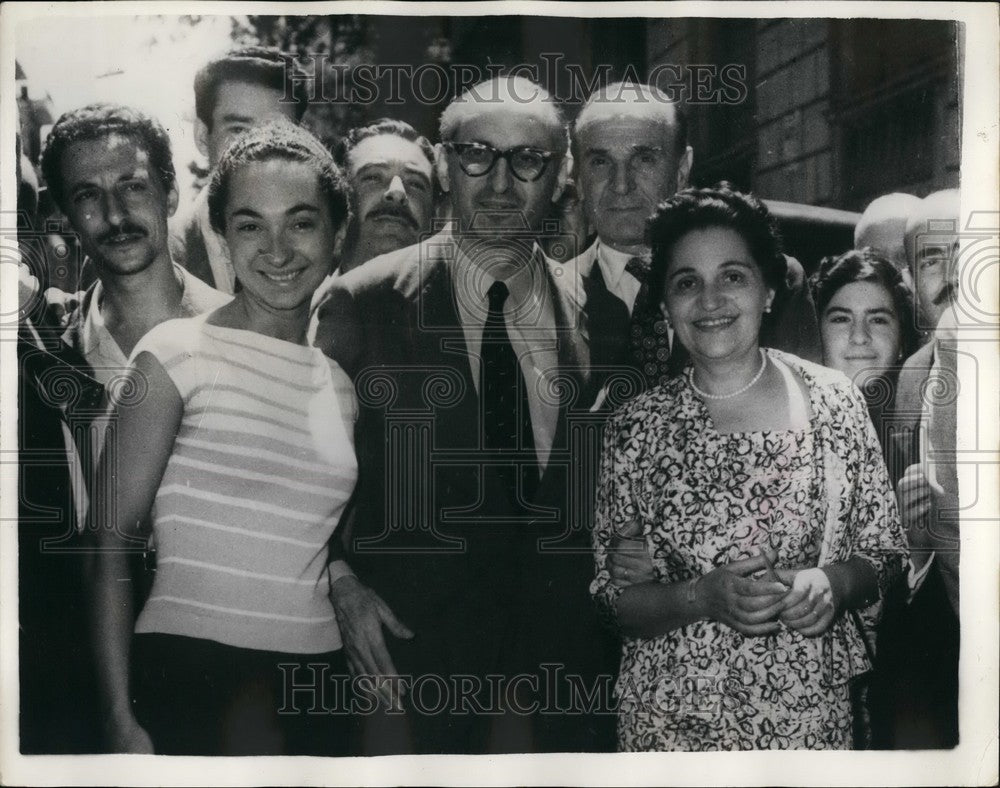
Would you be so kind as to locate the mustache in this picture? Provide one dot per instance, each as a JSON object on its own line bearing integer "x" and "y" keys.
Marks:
{"x": 125, "y": 228}
{"x": 394, "y": 212}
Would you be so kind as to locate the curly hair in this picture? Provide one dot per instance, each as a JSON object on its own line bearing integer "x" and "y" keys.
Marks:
{"x": 867, "y": 265}
{"x": 284, "y": 141}
{"x": 256, "y": 65}
{"x": 96, "y": 121}
{"x": 717, "y": 206}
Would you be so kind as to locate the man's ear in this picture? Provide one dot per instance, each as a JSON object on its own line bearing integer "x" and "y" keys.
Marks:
{"x": 684, "y": 168}
{"x": 201, "y": 137}
{"x": 565, "y": 166}
{"x": 338, "y": 246}
{"x": 173, "y": 199}
{"x": 441, "y": 167}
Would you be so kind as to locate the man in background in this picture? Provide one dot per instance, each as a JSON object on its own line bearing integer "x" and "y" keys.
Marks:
{"x": 630, "y": 152}
{"x": 391, "y": 169}
{"x": 110, "y": 170}
{"x": 882, "y": 226}
{"x": 915, "y": 694}
{"x": 242, "y": 89}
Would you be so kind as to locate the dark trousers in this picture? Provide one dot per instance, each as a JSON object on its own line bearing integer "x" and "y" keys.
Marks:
{"x": 200, "y": 697}
{"x": 914, "y": 691}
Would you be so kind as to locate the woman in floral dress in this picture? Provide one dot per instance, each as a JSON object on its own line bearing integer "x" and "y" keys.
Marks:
{"x": 764, "y": 503}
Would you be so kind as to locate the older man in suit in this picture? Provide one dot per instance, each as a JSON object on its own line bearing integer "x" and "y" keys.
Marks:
{"x": 631, "y": 153}
{"x": 468, "y": 363}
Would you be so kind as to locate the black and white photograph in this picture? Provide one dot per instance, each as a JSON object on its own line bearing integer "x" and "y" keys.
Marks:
{"x": 535, "y": 384}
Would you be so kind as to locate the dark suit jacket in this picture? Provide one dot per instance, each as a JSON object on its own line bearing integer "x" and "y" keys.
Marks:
{"x": 59, "y": 706}
{"x": 484, "y": 583}
{"x": 910, "y": 392}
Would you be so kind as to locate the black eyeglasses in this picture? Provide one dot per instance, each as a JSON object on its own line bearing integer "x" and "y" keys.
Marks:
{"x": 476, "y": 159}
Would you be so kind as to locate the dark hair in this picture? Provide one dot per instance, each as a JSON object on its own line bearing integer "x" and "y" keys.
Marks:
{"x": 96, "y": 121}
{"x": 256, "y": 65}
{"x": 867, "y": 265}
{"x": 279, "y": 140}
{"x": 718, "y": 206}
{"x": 377, "y": 128}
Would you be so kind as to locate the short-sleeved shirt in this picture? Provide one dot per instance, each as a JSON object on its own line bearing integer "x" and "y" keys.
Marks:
{"x": 262, "y": 467}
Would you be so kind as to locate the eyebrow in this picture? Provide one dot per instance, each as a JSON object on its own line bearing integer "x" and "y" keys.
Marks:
{"x": 233, "y": 118}
{"x": 382, "y": 164}
{"x": 137, "y": 174}
{"x": 294, "y": 209}
{"x": 879, "y": 310}
{"x": 633, "y": 148}
{"x": 689, "y": 269}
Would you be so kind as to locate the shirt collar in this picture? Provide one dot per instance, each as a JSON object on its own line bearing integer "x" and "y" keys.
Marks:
{"x": 94, "y": 333}
{"x": 613, "y": 263}
{"x": 472, "y": 281}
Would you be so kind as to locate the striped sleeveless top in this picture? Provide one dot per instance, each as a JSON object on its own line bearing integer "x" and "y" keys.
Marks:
{"x": 262, "y": 467}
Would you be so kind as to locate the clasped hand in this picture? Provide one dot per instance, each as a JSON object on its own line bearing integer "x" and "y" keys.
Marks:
{"x": 803, "y": 600}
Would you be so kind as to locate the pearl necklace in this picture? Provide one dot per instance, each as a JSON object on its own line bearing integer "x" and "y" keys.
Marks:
{"x": 730, "y": 395}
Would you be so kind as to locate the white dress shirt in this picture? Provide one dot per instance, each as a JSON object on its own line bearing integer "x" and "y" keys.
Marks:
{"x": 531, "y": 325}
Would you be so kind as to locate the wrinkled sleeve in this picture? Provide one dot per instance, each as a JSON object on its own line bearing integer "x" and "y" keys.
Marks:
{"x": 878, "y": 532}
{"x": 614, "y": 505}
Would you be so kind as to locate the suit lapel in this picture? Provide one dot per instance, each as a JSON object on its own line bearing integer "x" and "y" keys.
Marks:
{"x": 438, "y": 341}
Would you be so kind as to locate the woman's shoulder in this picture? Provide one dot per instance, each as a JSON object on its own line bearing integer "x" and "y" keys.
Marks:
{"x": 171, "y": 335}
{"x": 815, "y": 375}
{"x": 832, "y": 392}
{"x": 658, "y": 404}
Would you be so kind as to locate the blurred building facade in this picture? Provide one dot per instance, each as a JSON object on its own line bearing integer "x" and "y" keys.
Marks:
{"x": 839, "y": 111}
{"x": 835, "y": 112}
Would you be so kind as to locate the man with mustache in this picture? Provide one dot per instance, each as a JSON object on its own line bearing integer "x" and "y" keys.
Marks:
{"x": 467, "y": 363}
{"x": 920, "y": 660}
{"x": 110, "y": 170}
{"x": 391, "y": 169}
{"x": 242, "y": 89}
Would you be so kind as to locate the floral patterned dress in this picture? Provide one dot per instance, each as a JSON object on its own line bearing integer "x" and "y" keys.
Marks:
{"x": 818, "y": 495}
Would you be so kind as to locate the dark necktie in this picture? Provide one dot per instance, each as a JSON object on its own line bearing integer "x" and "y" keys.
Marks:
{"x": 649, "y": 342}
{"x": 506, "y": 418}
{"x": 608, "y": 321}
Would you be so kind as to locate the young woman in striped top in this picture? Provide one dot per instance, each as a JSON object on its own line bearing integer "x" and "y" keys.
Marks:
{"x": 239, "y": 439}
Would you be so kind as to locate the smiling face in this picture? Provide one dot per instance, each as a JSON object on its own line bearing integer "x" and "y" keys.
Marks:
{"x": 497, "y": 201}
{"x": 391, "y": 178}
{"x": 116, "y": 203}
{"x": 627, "y": 166}
{"x": 280, "y": 233}
{"x": 860, "y": 331}
{"x": 715, "y": 294}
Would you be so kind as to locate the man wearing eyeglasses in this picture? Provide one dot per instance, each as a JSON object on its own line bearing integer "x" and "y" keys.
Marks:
{"x": 466, "y": 356}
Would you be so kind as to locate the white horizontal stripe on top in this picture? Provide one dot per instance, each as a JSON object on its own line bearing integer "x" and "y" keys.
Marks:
{"x": 229, "y": 570}
{"x": 183, "y": 519}
{"x": 237, "y": 473}
{"x": 254, "y": 506}
{"x": 250, "y": 613}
